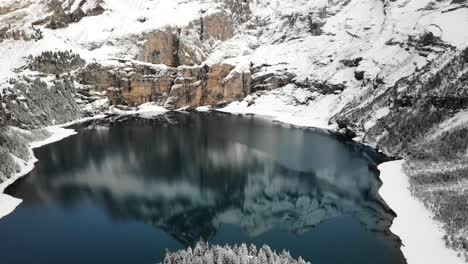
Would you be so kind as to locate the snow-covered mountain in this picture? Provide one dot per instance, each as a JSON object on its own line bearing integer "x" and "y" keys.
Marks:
{"x": 393, "y": 73}
{"x": 325, "y": 56}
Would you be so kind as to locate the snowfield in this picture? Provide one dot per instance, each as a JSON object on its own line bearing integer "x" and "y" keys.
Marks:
{"x": 422, "y": 237}
{"x": 8, "y": 204}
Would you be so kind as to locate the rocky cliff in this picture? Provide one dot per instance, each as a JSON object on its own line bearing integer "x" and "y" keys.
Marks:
{"x": 135, "y": 83}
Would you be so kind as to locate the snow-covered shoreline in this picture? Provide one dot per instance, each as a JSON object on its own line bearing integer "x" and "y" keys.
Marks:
{"x": 421, "y": 235}
{"x": 9, "y": 203}
{"x": 57, "y": 133}
{"x": 280, "y": 106}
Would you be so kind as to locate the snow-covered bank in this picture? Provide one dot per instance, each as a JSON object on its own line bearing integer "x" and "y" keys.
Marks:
{"x": 421, "y": 235}
{"x": 57, "y": 133}
{"x": 290, "y": 105}
{"x": 8, "y": 203}
{"x": 147, "y": 110}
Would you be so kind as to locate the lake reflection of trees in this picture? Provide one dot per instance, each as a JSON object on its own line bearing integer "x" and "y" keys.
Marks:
{"x": 189, "y": 174}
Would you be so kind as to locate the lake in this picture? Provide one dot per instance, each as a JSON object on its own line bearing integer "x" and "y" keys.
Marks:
{"x": 125, "y": 190}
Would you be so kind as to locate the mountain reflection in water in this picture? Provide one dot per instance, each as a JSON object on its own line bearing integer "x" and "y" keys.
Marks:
{"x": 192, "y": 174}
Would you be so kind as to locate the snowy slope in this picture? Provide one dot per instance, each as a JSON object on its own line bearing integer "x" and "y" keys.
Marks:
{"x": 93, "y": 36}
{"x": 359, "y": 29}
{"x": 351, "y": 29}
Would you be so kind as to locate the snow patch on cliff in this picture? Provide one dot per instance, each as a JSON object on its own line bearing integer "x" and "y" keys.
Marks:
{"x": 288, "y": 105}
{"x": 295, "y": 105}
{"x": 146, "y": 110}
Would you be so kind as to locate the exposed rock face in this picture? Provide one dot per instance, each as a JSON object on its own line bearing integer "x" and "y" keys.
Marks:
{"x": 173, "y": 86}
{"x": 176, "y": 87}
{"x": 271, "y": 80}
{"x": 132, "y": 85}
{"x": 190, "y": 45}
{"x": 222, "y": 82}
{"x": 210, "y": 86}
{"x": 218, "y": 26}
{"x": 162, "y": 47}
{"x": 188, "y": 88}
{"x": 97, "y": 75}
{"x": 179, "y": 85}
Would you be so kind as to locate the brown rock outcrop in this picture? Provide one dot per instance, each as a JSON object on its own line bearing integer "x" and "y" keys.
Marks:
{"x": 219, "y": 26}
{"x": 187, "y": 46}
{"x": 162, "y": 47}
{"x": 139, "y": 89}
{"x": 210, "y": 86}
{"x": 98, "y": 76}
{"x": 183, "y": 86}
{"x": 185, "y": 82}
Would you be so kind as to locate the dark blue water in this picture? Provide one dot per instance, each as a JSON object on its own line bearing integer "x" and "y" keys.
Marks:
{"x": 125, "y": 191}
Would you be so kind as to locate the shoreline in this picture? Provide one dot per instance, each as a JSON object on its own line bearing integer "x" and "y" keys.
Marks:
{"x": 9, "y": 203}
{"x": 58, "y": 132}
{"x": 421, "y": 235}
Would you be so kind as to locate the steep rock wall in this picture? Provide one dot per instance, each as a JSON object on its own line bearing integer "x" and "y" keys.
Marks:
{"x": 162, "y": 47}
{"x": 174, "y": 87}
{"x": 190, "y": 45}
